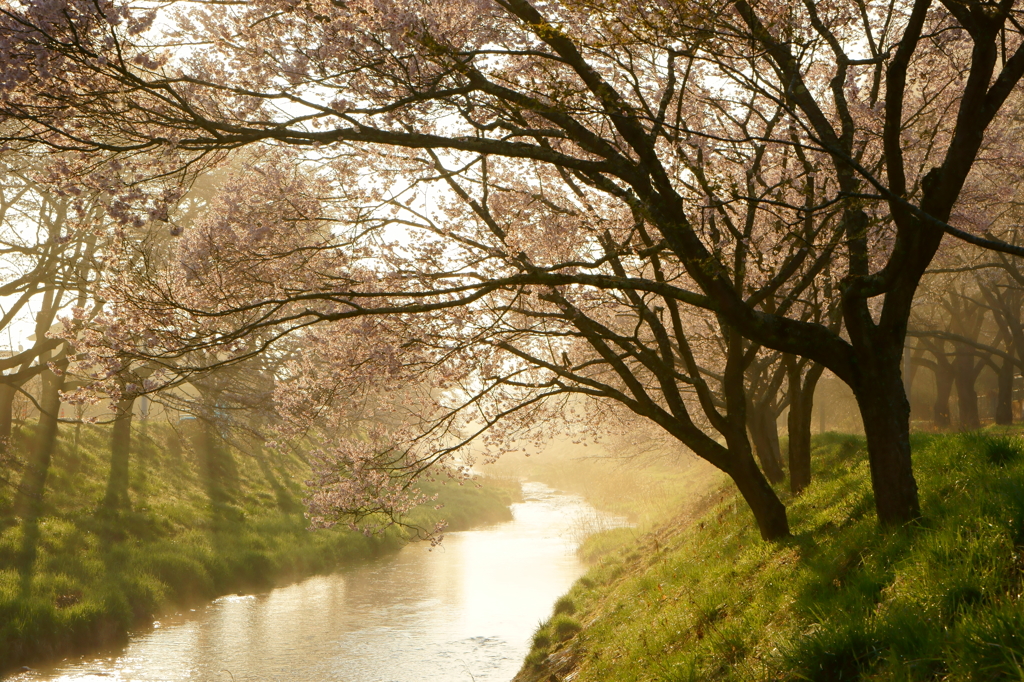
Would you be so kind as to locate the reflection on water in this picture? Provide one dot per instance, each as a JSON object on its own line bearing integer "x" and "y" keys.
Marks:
{"x": 462, "y": 612}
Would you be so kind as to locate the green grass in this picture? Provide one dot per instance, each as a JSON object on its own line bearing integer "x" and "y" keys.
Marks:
{"x": 80, "y": 575}
{"x": 841, "y": 600}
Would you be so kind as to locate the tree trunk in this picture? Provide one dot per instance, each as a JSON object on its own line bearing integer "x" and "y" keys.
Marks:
{"x": 799, "y": 447}
{"x": 33, "y": 481}
{"x": 764, "y": 433}
{"x": 801, "y": 406}
{"x": 120, "y": 450}
{"x": 967, "y": 396}
{"x": 943, "y": 389}
{"x": 770, "y": 421}
{"x": 1004, "y": 398}
{"x": 7, "y": 392}
{"x": 886, "y": 413}
{"x": 769, "y": 512}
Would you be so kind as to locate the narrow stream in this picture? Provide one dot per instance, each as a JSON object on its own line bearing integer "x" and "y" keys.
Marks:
{"x": 463, "y": 612}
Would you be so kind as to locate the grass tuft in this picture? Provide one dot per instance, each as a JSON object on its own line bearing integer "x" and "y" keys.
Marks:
{"x": 566, "y": 605}
{"x": 1002, "y": 450}
{"x": 563, "y": 627}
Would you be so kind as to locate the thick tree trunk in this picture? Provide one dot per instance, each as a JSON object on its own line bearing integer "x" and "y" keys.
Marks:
{"x": 799, "y": 446}
{"x": 769, "y": 512}
{"x": 967, "y": 396}
{"x": 735, "y": 458}
{"x": 801, "y": 406}
{"x": 943, "y": 389}
{"x": 764, "y": 433}
{"x": 33, "y": 481}
{"x": 120, "y": 451}
{"x": 1004, "y": 396}
{"x": 886, "y": 413}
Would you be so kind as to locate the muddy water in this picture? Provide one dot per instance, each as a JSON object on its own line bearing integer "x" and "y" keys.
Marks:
{"x": 462, "y": 612}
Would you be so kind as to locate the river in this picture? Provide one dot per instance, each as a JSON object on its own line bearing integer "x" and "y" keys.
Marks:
{"x": 461, "y": 612}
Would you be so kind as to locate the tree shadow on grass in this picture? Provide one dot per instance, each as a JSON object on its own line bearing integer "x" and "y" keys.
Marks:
{"x": 909, "y": 602}
{"x": 218, "y": 472}
{"x": 286, "y": 500}
{"x": 27, "y": 553}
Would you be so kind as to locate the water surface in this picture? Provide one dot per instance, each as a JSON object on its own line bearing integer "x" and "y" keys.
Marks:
{"x": 462, "y": 612}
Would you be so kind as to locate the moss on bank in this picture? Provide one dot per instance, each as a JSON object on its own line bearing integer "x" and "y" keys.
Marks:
{"x": 841, "y": 600}
{"x": 81, "y": 575}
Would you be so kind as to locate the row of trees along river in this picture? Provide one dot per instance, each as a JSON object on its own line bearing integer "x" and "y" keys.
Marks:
{"x": 400, "y": 235}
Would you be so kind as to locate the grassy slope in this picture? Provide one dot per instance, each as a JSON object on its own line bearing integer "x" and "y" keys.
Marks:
{"x": 80, "y": 576}
{"x": 842, "y": 600}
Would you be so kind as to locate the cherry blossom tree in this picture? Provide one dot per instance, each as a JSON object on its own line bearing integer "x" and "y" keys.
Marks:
{"x": 872, "y": 117}
{"x": 502, "y": 360}
{"x": 56, "y": 221}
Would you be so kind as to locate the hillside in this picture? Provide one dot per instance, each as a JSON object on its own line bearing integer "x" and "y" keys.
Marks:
{"x": 200, "y": 525}
{"x": 841, "y": 600}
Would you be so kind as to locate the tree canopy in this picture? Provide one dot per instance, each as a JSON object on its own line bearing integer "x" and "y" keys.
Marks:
{"x": 586, "y": 182}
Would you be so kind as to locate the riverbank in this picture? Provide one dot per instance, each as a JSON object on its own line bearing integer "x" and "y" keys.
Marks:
{"x": 841, "y": 600}
{"x": 81, "y": 575}
{"x": 646, "y": 489}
